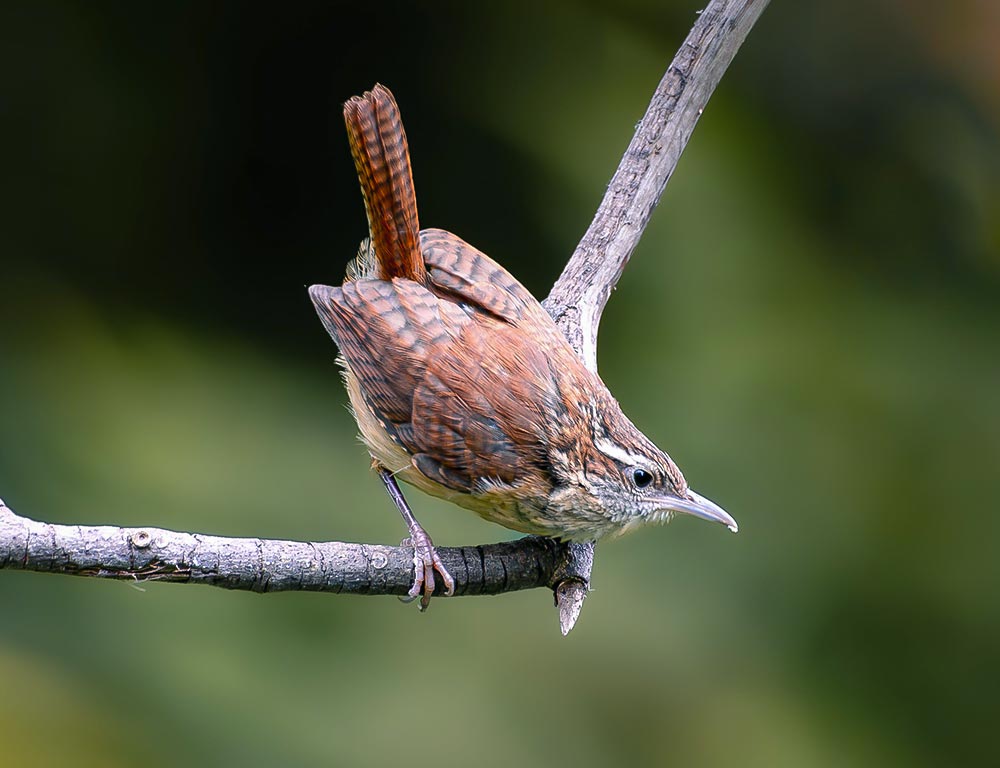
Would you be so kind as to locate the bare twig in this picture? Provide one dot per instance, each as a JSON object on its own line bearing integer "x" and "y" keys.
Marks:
{"x": 576, "y": 302}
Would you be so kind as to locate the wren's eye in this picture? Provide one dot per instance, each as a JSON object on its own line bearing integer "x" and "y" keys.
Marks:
{"x": 641, "y": 477}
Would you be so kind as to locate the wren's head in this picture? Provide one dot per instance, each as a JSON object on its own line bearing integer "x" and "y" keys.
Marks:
{"x": 625, "y": 481}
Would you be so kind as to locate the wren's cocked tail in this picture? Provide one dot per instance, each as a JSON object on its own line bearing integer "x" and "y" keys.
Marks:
{"x": 463, "y": 386}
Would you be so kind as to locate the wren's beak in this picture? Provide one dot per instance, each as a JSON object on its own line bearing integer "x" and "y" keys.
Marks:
{"x": 701, "y": 507}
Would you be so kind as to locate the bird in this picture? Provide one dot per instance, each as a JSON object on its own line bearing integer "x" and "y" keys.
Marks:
{"x": 463, "y": 386}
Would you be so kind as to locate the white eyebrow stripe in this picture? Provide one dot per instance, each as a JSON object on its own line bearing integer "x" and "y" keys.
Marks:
{"x": 614, "y": 451}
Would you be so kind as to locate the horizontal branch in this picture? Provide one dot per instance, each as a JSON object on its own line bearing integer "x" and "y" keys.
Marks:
{"x": 266, "y": 565}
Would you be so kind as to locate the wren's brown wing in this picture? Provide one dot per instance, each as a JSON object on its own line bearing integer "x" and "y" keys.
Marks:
{"x": 479, "y": 410}
{"x": 456, "y": 386}
{"x": 458, "y": 270}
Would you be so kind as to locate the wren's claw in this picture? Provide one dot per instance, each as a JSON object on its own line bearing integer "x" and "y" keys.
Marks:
{"x": 425, "y": 562}
{"x": 425, "y": 558}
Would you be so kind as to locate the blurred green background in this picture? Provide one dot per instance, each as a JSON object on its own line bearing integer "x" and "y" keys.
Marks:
{"x": 810, "y": 326}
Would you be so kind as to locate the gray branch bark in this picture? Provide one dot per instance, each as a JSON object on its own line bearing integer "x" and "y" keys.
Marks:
{"x": 264, "y": 565}
{"x": 576, "y": 302}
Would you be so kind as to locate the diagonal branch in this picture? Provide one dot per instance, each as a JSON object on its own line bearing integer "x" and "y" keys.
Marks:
{"x": 576, "y": 302}
{"x": 582, "y": 290}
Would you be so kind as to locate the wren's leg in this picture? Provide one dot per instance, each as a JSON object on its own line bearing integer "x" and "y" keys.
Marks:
{"x": 425, "y": 558}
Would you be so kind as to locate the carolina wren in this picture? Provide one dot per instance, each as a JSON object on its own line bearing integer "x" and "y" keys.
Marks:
{"x": 463, "y": 386}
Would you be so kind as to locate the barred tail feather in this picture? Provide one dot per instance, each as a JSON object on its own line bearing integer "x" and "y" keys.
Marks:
{"x": 382, "y": 159}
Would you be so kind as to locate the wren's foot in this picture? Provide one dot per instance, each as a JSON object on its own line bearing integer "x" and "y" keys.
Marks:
{"x": 425, "y": 558}
{"x": 425, "y": 562}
